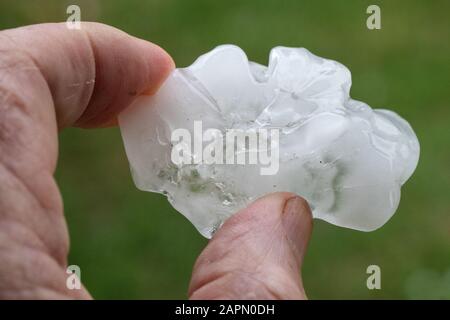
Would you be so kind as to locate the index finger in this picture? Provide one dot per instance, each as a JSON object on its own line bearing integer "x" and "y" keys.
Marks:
{"x": 92, "y": 73}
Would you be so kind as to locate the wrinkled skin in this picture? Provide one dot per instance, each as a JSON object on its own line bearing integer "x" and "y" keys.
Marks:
{"x": 51, "y": 78}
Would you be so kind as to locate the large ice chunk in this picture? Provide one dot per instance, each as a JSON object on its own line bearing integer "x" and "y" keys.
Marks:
{"x": 347, "y": 160}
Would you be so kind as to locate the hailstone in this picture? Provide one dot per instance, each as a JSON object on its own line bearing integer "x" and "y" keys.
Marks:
{"x": 346, "y": 159}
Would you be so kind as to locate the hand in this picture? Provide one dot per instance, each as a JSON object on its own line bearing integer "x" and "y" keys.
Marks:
{"x": 51, "y": 78}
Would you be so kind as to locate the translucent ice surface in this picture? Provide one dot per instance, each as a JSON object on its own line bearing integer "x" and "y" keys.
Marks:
{"x": 347, "y": 160}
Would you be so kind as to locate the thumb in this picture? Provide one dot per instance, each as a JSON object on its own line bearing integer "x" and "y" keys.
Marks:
{"x": 257, "y": 253}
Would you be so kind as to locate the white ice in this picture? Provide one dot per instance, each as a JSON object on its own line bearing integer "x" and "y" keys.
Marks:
{"x": 347, "y": 160}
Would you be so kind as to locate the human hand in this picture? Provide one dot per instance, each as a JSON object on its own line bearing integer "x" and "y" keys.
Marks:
{"x": 51, "y": 78}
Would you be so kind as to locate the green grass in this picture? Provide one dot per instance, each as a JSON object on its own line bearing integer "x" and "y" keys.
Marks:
{"x": 131, "y": 244}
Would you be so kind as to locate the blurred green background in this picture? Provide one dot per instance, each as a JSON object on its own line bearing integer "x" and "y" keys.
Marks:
{"x": 131, "y": 244}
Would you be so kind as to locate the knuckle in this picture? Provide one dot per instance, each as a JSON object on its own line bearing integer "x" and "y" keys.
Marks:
{"x": 13, "y": 117}
{"x": 15, "y": 109}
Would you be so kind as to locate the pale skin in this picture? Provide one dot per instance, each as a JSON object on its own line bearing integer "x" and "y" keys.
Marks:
{"x": 52, "y": 78}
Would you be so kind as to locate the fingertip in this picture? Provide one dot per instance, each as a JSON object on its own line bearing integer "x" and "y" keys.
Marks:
{"x": 262, "y": 212}
{"x": 280, "y": 208}
{"x": 160, "y": 65}
{"x": 297, "y": 221}
{"x": 126, "y": 67}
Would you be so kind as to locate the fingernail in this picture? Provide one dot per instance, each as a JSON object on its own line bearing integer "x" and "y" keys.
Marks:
{"x": 297, "y": 222}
